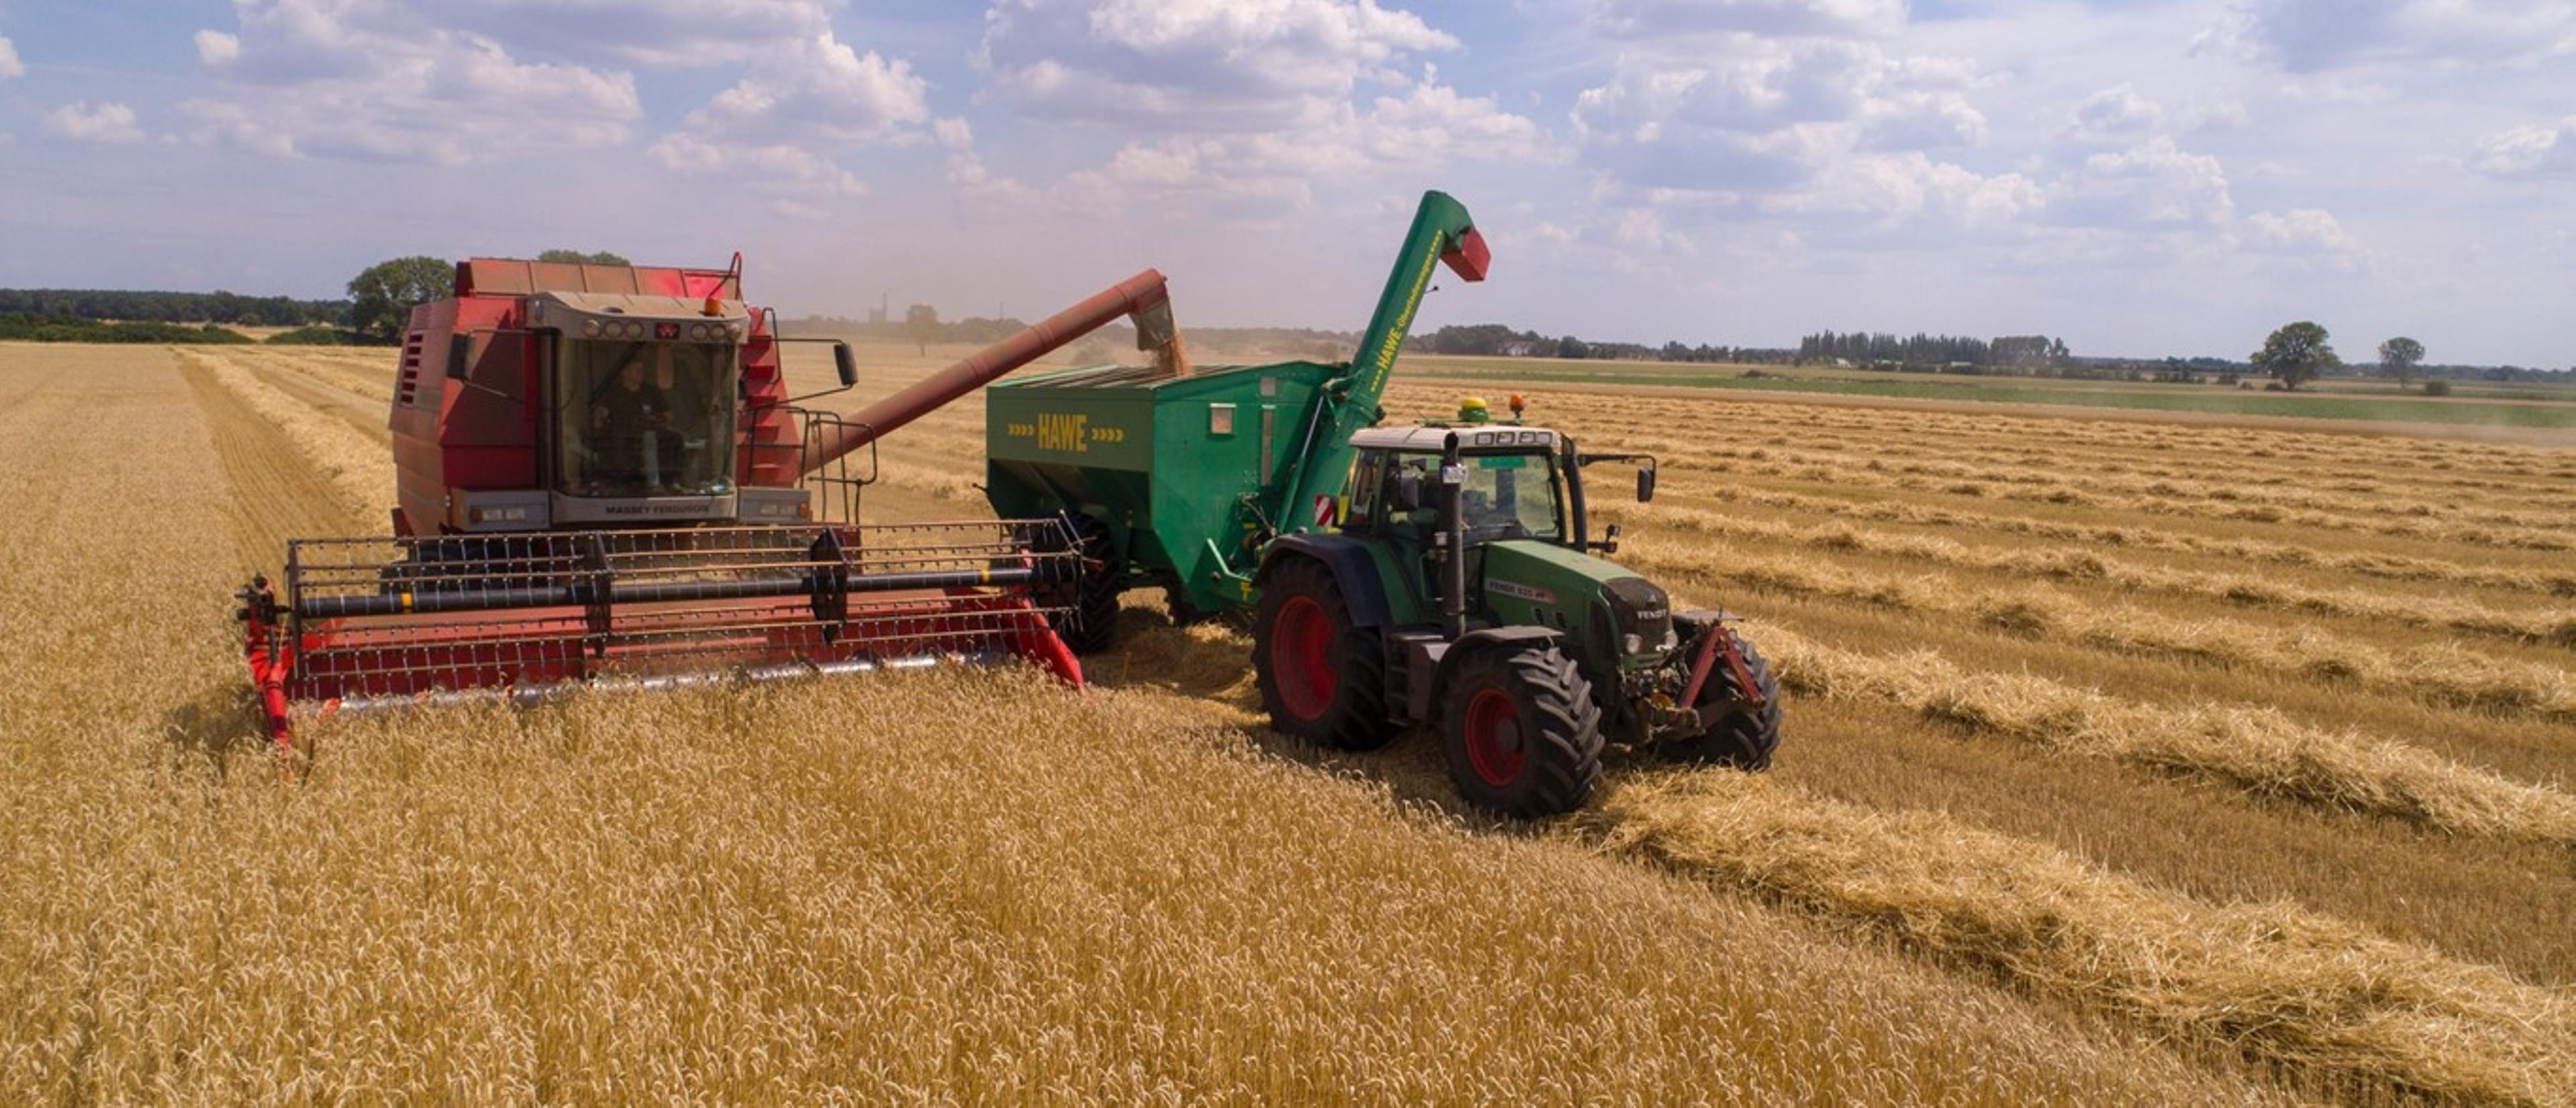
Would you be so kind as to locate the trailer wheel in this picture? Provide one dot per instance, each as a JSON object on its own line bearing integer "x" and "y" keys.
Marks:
{"x": 1321, "y": 679}
{"x": 1521, "y": 732}
{"x": 1744, "y": 740}
{"x": 1086, "y": 609}
{"x": 1186, "y": 614}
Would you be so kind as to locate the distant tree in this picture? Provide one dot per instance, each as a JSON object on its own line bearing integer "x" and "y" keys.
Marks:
{"x": 576, "y": 257}
{"x": 1572, "y": 347}
{"x": 921, "y": 325}
{"x": 383, "y": 296}
{"x": 2399, "y": 356}
{"x": 2296, "y": 354}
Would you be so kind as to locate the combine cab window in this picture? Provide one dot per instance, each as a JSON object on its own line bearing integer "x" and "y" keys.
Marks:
{"x": 1512, "y": 496}
{"x": 645, "y": 418}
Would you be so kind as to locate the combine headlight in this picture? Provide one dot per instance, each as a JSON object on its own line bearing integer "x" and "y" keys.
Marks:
{"x": 590, "y": 328}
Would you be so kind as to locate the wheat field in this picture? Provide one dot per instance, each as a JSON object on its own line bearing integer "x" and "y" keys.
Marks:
{"x": 2126, "y": 763}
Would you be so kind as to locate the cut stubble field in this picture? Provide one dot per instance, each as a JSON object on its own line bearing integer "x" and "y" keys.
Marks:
{"x": 2230, "y": 810}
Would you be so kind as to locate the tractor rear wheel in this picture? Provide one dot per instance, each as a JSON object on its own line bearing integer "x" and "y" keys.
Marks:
{"x": 1521, "y": 732}
{"x": 1321, "y": 679}
{"x": 1744, "y": 740}
{"x": 1085, "y": 610}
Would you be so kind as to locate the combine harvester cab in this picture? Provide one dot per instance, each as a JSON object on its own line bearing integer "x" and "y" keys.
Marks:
{"x": 603, "y": 480}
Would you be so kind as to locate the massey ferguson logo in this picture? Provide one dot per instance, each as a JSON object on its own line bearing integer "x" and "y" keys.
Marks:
{"x": 689, "y": 509}
{"x": 1531, "y": 593}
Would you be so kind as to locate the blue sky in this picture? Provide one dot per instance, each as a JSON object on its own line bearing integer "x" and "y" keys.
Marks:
{"x": 2139, "y": 177}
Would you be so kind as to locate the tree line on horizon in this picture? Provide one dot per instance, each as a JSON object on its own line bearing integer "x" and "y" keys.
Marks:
{"x": 381, "y": 298}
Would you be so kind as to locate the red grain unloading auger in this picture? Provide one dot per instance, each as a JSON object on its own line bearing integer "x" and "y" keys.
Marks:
{"x": 601, "y": 477}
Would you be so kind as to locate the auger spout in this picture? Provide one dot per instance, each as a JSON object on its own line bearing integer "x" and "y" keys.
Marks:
{"x": 1141, "y": 296}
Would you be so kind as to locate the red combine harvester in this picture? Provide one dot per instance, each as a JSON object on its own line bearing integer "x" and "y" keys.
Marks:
{"x": 602, "y": 478}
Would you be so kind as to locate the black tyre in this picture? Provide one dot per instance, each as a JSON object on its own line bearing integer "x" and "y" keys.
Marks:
{"x": 1085, "y": 611}
{"x": 1186, "y": 614}
{"x": 1521, "y": 732}
{"x": 1744, "y": 740}
{"x": 1321, "y": 679}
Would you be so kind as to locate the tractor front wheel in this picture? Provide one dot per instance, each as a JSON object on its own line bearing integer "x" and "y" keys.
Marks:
{"x": 1522, "y": 734}
{"x": 1321, "y": 679}
{"x": 1746, "y": 739}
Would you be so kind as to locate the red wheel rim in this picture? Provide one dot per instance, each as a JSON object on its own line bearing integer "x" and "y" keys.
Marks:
{"x": 1494, "y": 737}
{"x": 1301, "y": 658}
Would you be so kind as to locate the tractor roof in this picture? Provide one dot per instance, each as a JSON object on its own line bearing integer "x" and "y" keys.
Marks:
{"x": 1473, "y": 437}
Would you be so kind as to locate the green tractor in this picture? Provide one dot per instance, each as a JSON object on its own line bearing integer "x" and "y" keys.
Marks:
{"x": 1442, "y": 574}
{"x": 1463, "y": 591}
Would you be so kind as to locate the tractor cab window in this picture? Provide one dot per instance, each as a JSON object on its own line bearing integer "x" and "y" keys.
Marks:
{"x": 1363, "y": 494}
{"x": 1423, "y": 470}
{"x": 1512, "y": 496}
{"x": 645, "y": 418}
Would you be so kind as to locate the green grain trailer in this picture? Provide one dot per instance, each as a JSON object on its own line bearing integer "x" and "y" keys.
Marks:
{"x": 1177, "y": 482}
{"x": 1448, "y": 578}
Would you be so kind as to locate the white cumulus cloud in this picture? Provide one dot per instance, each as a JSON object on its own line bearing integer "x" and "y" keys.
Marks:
{"x": 2115, "y": 111}
{"x": 373, "y": 80}
{"x": 1763, "y": 116}
{"x": 2534, "y": 151}
{"x": 820, "y": 88}
{"x": 1426, "y": 127}
{"x": 2154, "y": 184}
{"x": 783, "y": 124}
{"x": 1662, "y": 19}
{"x": 2298, "y": 231}
{"x": 1194, "y": 64}
{"x": 83, "y": 122}
{"x": 673, "y": 34}
{"x": 2309, "y": 36}
{"x": 10, "y": 66}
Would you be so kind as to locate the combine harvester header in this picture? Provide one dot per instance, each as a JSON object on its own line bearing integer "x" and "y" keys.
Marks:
{"x": 602, "y": 477}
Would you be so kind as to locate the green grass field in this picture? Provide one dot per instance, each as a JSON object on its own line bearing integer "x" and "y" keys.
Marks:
{"x": 2553, "y": 409}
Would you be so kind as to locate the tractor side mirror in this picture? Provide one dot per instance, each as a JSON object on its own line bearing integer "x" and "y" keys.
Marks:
{"x": 1408, "y": 490}
{"x": 847, "y": 366}
{"x": 1645, "y": 485}
{"x": 1609, "y": 543}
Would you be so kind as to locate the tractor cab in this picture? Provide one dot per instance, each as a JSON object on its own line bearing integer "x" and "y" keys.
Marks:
{"x": 1515, "y": 482}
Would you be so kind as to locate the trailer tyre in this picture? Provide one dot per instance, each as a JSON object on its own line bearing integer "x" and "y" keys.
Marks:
{"x": 1087, "y": 616}
{"x": 1744, "y": 740}
{"x": 1186, "y": 614}
{"x": 1521, "y": 732}
{"x": 1321, "y": 679}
